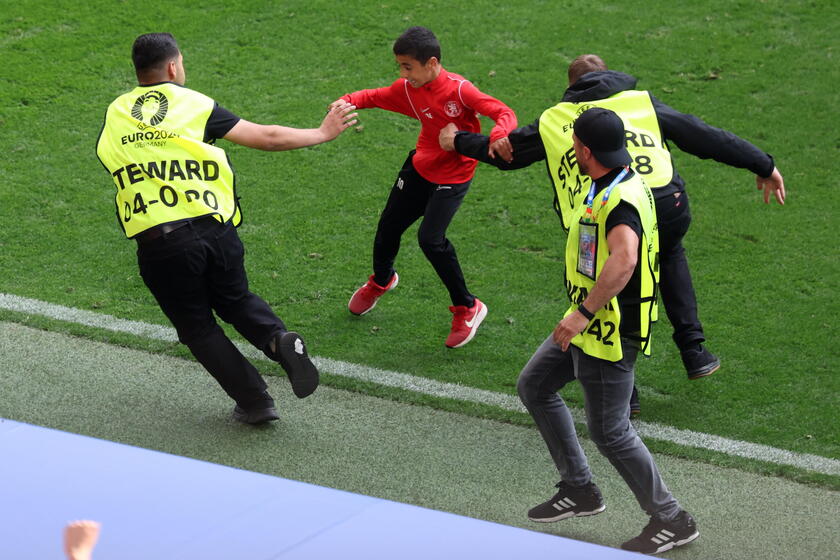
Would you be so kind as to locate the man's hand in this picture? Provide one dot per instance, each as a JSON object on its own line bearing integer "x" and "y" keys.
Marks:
{"x": 79, "y": 539}
{"x": 339, "y": 118}
{"x": 774, "y": 183}
{"x": 568, "y": 328}
{"x": 501, "y": 148}
{"x": 446, "y": 138}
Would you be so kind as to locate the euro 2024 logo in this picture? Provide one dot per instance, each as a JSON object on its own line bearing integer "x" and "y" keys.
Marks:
{"x": 150, "y": 107}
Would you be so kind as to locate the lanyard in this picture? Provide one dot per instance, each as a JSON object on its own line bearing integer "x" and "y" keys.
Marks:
{"x": 589, "y": 197}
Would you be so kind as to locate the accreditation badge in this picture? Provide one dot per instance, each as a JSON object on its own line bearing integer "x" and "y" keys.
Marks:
{"x": 587, "y": 249}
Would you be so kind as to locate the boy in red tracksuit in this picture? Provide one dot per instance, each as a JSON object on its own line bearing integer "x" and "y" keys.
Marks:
{"x": 432, "y": 182}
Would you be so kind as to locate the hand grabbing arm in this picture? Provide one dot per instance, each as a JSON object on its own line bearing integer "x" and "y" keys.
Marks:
{"x": 501, "y": 148}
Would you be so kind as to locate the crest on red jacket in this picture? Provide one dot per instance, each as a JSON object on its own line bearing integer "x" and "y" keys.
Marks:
{"x": 452, "y": 109}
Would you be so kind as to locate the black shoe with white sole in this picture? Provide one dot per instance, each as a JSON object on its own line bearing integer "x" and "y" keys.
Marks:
{"x": 570, "y": 501}
{"x": 659, "y": 536}
{"x": 289, "y": 350}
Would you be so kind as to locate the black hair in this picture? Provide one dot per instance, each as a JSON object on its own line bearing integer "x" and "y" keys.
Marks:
{"x": 152, "y": 51}
{"x": 418, "y": 43}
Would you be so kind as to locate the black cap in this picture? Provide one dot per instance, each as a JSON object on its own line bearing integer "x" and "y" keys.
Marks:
{"x": 602, "y": 131}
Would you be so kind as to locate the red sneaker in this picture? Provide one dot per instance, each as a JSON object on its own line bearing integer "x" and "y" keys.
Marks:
{"x": 364, "y": 299}
{"x": 465, "y": 323}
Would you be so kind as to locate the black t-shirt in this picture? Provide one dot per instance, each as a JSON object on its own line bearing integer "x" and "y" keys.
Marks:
{"x": 220, "y": 122}
{"x": 628, "y": 299}
{"x": 624, "y": 212}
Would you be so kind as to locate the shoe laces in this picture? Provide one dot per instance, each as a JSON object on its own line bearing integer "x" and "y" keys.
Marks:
{"x": 459, "y": 311}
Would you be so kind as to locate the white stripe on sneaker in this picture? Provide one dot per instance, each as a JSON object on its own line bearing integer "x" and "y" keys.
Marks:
{"x": 563, "y": 503}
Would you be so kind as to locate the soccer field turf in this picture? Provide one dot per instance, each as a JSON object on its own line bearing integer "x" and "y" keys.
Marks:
{"x": 766, "y": 277}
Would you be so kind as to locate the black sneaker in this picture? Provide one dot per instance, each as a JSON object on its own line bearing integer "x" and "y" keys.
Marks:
{"x": 699, "y": 362}
{"x": 289, "y": 350}
{"x": 256, "y": 416}
{"x": 570, "y": 501}
{"x": 659, "y": 536}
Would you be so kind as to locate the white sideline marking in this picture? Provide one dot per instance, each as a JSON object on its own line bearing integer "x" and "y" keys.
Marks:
{"x": 815, "y": 463}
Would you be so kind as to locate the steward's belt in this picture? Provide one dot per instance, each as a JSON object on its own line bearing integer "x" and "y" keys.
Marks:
{"x": 158, "y": 231}
{"x": 163, "y": 230}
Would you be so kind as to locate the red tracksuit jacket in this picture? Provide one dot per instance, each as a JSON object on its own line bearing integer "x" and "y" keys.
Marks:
{"x": 449, "y": 98}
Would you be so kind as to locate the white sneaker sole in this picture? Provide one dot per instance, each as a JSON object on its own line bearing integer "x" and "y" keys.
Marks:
{"x": 476, "y": 323}
{"x": 294, "y": 359}
{"x": 569, "y": 514}
{"x": 675, "y": 544}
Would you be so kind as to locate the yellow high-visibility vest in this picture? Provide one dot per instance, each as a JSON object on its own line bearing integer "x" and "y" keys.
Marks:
{"x": 601, "y": 338}
{"x": 650, "y": 155}
{"x": 152, "y": 144}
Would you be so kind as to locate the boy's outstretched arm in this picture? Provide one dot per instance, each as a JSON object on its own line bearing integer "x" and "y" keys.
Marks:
{"x": 392, "y": 98}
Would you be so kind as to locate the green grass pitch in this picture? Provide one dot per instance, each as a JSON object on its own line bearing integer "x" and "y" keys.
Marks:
{"x": 766, "y": 276}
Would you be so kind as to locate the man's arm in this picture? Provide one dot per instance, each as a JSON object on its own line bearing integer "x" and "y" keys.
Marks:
{"x": 277, "y": 138}
{"x": 623, "y": 243}
{"x": 525, "y": 143}
{"x": 692, "y": 135}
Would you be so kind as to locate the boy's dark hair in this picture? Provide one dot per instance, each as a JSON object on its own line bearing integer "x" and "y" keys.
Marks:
{"x": 418, "y": 43}
{"x": 152, "y": 51}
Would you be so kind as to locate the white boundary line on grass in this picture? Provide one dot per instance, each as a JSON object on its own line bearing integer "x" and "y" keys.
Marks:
{"x": 427, "y": 386}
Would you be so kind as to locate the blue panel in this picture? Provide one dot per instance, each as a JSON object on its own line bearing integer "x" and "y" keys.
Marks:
{"x": 389, "y": 530}
{"x": 187, "y": 505}
{"x": 9, "y": 425}
{"x": 154, "y": 505}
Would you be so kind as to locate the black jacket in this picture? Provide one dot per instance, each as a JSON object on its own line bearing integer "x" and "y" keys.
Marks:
{"x": 689, "y": 133}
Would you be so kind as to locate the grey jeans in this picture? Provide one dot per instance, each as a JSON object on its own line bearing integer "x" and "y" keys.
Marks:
{"x": 606, "y": 389}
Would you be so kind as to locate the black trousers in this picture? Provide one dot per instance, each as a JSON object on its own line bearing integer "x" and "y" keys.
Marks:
{"x": 411, "y": 197}
{"x": 675, "y": 284}
{"x": 196, "y": 270}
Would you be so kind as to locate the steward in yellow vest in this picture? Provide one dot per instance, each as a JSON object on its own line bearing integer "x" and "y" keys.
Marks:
{"x": 652, "y": 128}
{"x": 611, "y": 277}
{"x": 612, "y": 250}
{"x": 629, "y": 314}
{"x": 648, "y": 152}
{"x": 176, "y": 198}
{"x": 153, "y": 145}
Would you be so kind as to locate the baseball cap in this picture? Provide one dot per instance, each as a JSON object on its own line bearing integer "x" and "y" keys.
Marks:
{"x": 602, "y": 131}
